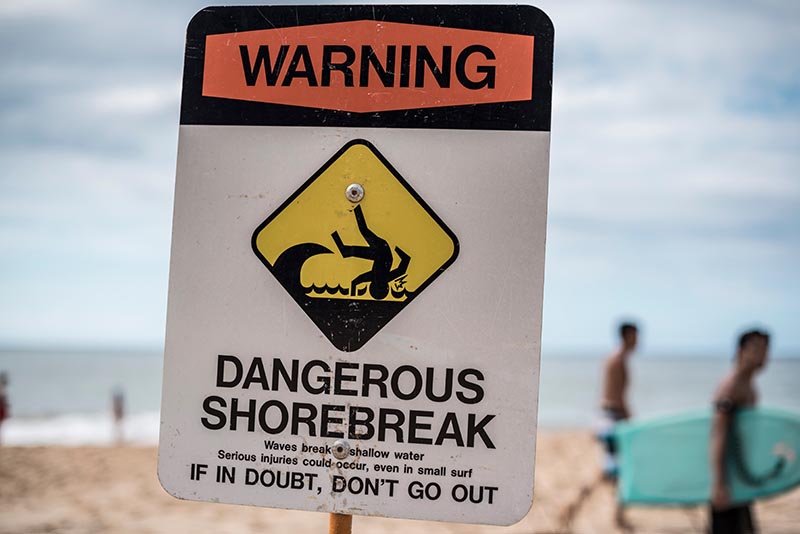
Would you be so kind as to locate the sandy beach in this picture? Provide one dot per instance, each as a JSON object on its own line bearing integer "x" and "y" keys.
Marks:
{"x": 94, "y": 490}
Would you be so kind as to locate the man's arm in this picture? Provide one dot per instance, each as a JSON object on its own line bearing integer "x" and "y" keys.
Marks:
{"x": 402, "y": 268}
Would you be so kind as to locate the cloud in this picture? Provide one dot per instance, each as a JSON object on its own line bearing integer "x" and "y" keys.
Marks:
{"x": 674, "y": 188}
{"x": 674, "y": 173}
{"x": 141, "y": 99}
{"x": 18, "y": 9}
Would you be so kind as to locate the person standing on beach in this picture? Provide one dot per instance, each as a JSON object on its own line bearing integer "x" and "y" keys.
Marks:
{"x": 614, "y": 408}
{"x": 736, "y": 391}
{"x": 118, "y": 414}
{"x": 4, "y": 405}
{"x": 614, "y": 403}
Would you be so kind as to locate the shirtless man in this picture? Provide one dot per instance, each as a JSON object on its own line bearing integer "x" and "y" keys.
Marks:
{"x": 736, "y": 391}
{"x": 614, "y": 407}
{"x": 615, "y": 374}
{"x": 614, "y": 403}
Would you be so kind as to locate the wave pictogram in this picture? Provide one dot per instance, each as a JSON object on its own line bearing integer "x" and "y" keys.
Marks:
{"x": 326, "y": 290}
{"x": 289, "y": 264}
{"x": 403, "y": 293}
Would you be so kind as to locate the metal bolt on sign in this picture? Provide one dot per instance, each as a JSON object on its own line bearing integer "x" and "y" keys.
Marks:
{"x": 341, "y": 449}
{"x": 354, "y": 193}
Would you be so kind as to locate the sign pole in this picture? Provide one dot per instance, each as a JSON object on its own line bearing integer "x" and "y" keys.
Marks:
{"x": 340, "y": 524}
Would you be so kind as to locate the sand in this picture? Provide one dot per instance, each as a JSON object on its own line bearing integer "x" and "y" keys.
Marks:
{"x": 94, "y": 490}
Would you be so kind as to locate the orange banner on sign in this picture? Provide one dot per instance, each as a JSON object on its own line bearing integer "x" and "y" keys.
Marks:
{"x": 368, "y": 66}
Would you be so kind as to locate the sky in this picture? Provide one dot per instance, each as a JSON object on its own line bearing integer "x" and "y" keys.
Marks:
{"x": 674, "y": 184}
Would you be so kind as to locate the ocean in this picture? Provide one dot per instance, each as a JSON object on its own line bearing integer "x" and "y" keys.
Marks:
{"x": 64, "y": 397}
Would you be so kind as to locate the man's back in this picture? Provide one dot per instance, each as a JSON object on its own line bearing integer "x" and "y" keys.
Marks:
{"x": 615, "y": 384}
{"x": 736, "y": 391}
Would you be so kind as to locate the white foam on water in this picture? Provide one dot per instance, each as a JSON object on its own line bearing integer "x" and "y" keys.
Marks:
{"x": 80, "y": 429}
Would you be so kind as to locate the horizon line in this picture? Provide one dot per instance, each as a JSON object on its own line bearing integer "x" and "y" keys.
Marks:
{"x": 559, "y": 351}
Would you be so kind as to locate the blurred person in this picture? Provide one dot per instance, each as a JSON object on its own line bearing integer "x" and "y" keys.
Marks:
{"x": 736, "y": 391}
{"x": 118, "y": 414}
{"x": 5, "y": 409}
{"x": 614, "y": 408}
{"x": 614, "y": 405}
{"x": 614, "y": 402}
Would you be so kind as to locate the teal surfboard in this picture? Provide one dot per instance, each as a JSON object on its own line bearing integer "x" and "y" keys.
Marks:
{"x": 666, "y": 461}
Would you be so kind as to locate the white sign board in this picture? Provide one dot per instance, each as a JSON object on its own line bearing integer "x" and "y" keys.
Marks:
{"x": 357, "y": 265}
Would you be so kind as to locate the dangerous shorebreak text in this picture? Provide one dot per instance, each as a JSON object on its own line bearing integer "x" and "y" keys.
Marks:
{"x": 367, "y": 381}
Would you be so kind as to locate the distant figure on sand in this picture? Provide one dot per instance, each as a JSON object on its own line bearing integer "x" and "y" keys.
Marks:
{"x": 613, "y": 408}
{"x": 118, "y": 414}
{"x": 4, "y": 404}
{"x": 735, "y": 392}
{"x": 614, "y": 403}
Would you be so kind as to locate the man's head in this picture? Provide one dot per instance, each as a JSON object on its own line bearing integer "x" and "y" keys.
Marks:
{"x": 752, "y": 351}
{"x": 629, "y": 335}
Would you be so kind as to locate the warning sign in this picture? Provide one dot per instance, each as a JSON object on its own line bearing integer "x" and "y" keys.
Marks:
{"x": 357, "y": 267}
{"x": 354, "y": 245}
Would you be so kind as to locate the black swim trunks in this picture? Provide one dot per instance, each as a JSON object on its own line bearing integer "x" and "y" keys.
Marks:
{"x": 736, "y": 520}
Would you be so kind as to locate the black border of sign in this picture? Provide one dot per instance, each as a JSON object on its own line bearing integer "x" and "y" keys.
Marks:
{"x": 456, "y": 247}
{"x": 529, "y": 115}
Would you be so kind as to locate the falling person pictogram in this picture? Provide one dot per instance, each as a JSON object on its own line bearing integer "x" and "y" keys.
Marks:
{"x": 380, "y": 253}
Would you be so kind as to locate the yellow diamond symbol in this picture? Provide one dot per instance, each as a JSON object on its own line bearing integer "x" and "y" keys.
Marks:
{"x": 352, "y": 262}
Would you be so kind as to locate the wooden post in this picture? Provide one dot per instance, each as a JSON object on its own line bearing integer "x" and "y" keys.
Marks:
{"x": 340, "y": 524}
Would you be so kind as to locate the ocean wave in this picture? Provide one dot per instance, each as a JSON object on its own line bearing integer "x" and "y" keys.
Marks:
{"x": 80, "y": 429}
